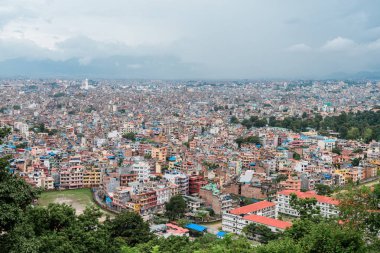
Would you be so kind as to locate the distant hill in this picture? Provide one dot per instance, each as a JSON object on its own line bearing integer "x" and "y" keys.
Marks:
{"x": 111, "y": 67}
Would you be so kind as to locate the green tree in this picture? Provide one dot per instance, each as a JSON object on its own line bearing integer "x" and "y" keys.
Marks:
{"x": 234, "y": 120}
{"x": 285, "y": 245}
{"x": 130, "y": 227}
{"x": 130, "y": 136}
{"x": 368, "y": 135}
{"x": 4, "y": 132}
{"x": 296, "y": 156}
{"x": 175, "y": 208}
{"x": 337, "y": 151}
{"x": 323, "y": 189}
{"x": 307, "y": 208}
{"x": 15, "y": 196}
{"x": 260, "y": 233}
{"x": 353, "y": 133}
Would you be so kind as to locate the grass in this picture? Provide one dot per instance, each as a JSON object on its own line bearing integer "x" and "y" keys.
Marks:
{"x": 80, "y": 196}
{"x": 79, "y": 199}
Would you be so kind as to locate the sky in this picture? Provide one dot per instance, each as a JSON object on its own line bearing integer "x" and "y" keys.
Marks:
{"x": 214, "y": 39}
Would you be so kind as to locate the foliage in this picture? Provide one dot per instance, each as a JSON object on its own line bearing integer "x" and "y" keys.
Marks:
{"x": 175, "y": 208}
{"x": 355, "y": 161}
{"x": 130, "y": 227}
{"x": 249, "y": 139}
{"x": 254, "y": 121}
{"x": 234, "y": 120}
{"x": 15, "y": 196}
{"x": 323, "y": 189}
{"x": 337, "y": 151}
{"x": 296, "y": 156}
{"x": 307, "y": 208}
{"x": 262, "y": 233}
{"x": 363, "y": 125}
{"x": 130, "y": 136}
{"x": 4, "y": 132}
{"x": 357, "y": 205}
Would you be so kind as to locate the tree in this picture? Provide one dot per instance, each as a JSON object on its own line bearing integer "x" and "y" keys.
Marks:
{"x": 260, "y": 233}
{"x": 356, "y": 205}
{"x": 285, "y": 245}
{"x": 281, "y": 177}
{"x": 368, "y": 135}
{"x": 323, "y": 189}
{"x": 175, "y": 208}
{"x": 337, "y": 151}
{"x": 234, "y": 120}
{"x": 130, "y": 136}
{"x": 296, "y": 156}
{"x": 4, "y": 131}
{"x": 130, "y": 227}
{"x": 353, "y": 133}
{"x": 307, "y": 208}
{"x": 355, "y": 161}
{"x": 15, "y": 196}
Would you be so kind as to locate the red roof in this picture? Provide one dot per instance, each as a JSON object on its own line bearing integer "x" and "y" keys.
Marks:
{"x": 311, "y": 194}
{"x": 268, "y": 221}
{"x": 252, "y": 207}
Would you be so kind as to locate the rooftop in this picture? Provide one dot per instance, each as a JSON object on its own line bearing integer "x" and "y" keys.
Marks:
{"x": 311, "y": 194}
{"x": 252, "y": 207}
{"x": 268, "y": 221}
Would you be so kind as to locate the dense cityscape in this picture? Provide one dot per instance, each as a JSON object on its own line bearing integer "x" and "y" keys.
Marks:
{"x": 193, "y": 158}
{"x": 203, "y": 126}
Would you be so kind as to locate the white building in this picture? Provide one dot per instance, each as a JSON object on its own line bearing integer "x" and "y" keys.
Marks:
{"x": 180, "y": 179}
{"x": 263, "y": 213}
{"x": 327, "y": 205}
{"x": 142, "y": 169}
{"x": 163, "y": 194}
{"x": 327, "y": 144}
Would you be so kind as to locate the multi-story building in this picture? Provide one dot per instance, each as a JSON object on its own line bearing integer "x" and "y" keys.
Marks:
{"x": 146, "y": 200}
{"x": 327, "y": 205}
{"x": 121, "y": 196}
{"x": 262, "y": 213}
{"x": 163, "y": 194}
{"x": 195, "y": 184}
{"x": 142, "y": 169}
{"x": 327, "y": 144}
{"x": 159, "y": 153}
{"x": 92, "y": 177}
{"x": 180, "y": 179}
{"x": 71, "y": 178}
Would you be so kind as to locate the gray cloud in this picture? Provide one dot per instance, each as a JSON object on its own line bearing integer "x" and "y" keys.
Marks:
{"x": 200, "y": 38}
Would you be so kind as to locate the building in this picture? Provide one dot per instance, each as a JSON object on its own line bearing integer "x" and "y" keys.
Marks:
{"x": 71, "y": 178}
{"x": 91, "y": 177}
{"x": 263, "y": 213}
{"x": 195, "y": 184}
{"x": 180, "y": 179}
{"x": 327, "y": 205}
{"x": 142, "y": 169}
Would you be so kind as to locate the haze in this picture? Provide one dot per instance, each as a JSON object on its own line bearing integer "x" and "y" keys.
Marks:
{"x": 189, "y": 39}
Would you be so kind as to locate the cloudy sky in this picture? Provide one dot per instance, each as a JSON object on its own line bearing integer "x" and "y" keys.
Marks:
{"x": 189, "y": 38}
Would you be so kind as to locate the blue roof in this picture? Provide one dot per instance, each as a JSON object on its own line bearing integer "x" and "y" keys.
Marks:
{"x": 196, "y": 227}
{"x": 221, "y": 234}
{"x": 172, "y": 158}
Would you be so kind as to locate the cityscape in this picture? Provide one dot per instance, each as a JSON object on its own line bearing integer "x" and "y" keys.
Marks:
{"x": 94, "y": 160}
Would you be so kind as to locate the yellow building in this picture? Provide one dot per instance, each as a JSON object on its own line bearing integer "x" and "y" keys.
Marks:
{"x": 159, "y": 153}
{"x": 91, "y": 177}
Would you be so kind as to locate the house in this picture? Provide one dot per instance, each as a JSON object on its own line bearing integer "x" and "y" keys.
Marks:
{"x": 328, "y": 206}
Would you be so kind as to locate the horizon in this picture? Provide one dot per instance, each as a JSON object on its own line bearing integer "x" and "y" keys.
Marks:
{"x": 211, "y": 40}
